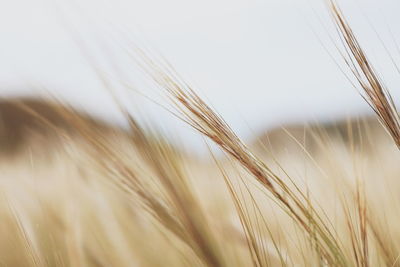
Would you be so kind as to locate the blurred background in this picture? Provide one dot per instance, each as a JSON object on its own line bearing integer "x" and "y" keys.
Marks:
{"x": 260, "y": 63}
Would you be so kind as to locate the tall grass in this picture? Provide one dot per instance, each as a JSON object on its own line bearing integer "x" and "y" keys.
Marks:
{"x": 113, "y": 197}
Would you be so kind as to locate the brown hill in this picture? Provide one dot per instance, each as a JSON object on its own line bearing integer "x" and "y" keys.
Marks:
{"x": 351, "y": 133}
{"x": 24, "y": 119}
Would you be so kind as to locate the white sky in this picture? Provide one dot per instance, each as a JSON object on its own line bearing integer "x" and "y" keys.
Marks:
{"x": 257, "y": 61}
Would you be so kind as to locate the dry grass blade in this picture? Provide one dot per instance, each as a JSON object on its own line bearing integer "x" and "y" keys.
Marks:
{"x": 30, "y": 250}
{"x": 376, "y": 93}
{"x": 202, "y": 118}
{"x": 253, "y": 235}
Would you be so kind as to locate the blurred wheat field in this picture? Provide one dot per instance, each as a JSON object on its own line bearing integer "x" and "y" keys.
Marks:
{"x": 76, "y": 191}
{"x": 71, "y": 195}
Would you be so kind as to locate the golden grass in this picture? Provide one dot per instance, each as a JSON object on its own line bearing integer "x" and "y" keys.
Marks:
{"x": 77, "y": 192}
{"x": 376, "y": 93}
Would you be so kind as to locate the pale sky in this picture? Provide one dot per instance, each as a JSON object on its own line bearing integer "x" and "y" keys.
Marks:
{"x": 259, "y": 62}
